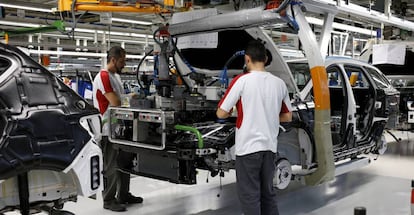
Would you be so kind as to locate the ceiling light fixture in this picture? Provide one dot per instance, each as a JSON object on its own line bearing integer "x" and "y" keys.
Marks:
{"x": 115, "y": 33}
{"x": 27, "y": 7}
{"x": 46, "y": 10}
{"x": 18, "y": 24}
{"x": 78, "y": 54}
{"x": 316, "y": 21}
{"x": 84, "y": 30}
{"x": 131, "y": 21}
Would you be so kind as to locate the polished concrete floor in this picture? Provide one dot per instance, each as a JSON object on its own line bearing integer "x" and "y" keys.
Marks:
{"x": 383, "y": 188}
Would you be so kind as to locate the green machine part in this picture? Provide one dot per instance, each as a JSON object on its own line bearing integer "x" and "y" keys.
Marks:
{"x": 56, "y": 25}
{"x": 193, "y": 130}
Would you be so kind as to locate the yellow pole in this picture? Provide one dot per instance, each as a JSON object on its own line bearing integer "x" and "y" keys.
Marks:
{"x": 322, "y": 129}
{"x": 6, "y": 38}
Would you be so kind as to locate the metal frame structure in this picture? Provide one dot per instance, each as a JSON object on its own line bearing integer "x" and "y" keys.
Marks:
{"x": 326, "y": 166}
{"x": 354, "y": 10}
{"x": 110, "y": 6}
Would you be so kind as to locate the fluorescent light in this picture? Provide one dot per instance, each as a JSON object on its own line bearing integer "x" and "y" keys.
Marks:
{"x": 66, "y": 36}
{"x": 67, "y": 53}
{"x": 78, "y": 54}
{"x": 84, "y": 30}
{"x": 27, "y": 7}
{"x": 131, "y": 21}
{"x": 132, "y": 41}
{"x": 316, "y": 21}
{"x": 19, "y": 24}
{"x": 91, "y": 38}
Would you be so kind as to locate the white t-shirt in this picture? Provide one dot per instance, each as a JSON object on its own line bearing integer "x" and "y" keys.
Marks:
{"x": 105, "y": 82}
{"x": 260, "y": 97}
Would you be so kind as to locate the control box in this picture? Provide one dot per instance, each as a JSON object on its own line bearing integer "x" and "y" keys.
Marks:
{"x": 139, "y": 127}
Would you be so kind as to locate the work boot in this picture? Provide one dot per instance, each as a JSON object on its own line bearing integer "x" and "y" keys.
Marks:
{"x": 131, "y": 199}
{"x": 114, "y": 205}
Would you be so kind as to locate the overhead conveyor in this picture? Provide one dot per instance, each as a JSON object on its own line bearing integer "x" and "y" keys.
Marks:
{"x": 359, "y": 12}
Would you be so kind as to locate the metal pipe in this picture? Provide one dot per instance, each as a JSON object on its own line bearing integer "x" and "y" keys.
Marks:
{"x": 193, "y": 130}
{"x": 322, "y": 129}
{"x": 234, "y": 20}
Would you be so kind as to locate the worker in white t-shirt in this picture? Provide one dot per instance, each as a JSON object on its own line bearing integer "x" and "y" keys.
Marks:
{"x": 107, "y": 91}
{"x": 262, "y": 102}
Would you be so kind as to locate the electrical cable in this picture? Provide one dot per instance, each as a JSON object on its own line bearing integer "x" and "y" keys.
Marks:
{"x": 181, "y": 76}
{"x": 174, "y": 43}
{"x": 139, "y": 65}
{"x": 223, "y": 75}
{"x": 72, "y": 10}
{"x": 75, "y": 21}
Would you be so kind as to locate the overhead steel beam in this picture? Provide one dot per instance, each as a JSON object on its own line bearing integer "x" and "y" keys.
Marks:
{"x": 108, "y": 6}
{"x": 233, "y": 20}
{"x": 357, "y": 11}
{"x": 80, "y": 27}
{"x": 326, "y": 33}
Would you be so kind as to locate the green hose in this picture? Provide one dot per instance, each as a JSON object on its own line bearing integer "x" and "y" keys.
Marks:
{"x": 193, "y": 130}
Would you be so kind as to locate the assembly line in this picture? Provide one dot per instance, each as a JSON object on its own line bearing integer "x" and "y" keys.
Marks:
{"x": 155, "y": 117}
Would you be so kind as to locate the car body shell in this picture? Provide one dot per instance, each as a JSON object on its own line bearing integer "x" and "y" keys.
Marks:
{"x": 48, "y": 135}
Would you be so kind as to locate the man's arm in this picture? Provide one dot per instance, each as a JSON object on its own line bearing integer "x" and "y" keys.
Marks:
{"x": 113, "y": 99}
{"x": 285, "y": 114}
{"x": 229, "y": 99}
{"x": 285, "y": 117}
{"x": 222, "y": 114}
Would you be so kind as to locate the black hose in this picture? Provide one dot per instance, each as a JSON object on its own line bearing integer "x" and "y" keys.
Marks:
{"x": 393, "y": 136}
{"x": 182, "y": 57}
{"x": 139, "y": 65}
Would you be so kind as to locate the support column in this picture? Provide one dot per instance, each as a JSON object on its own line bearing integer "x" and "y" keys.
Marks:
{"x": 23, "y": 185}
{"x": 326, "y": 33}
{"x": 322, "y": 129}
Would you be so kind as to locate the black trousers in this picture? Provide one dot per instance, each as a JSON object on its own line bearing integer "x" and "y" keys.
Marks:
{"x": 116, "y": 182}
{"x": 254, "y": 174}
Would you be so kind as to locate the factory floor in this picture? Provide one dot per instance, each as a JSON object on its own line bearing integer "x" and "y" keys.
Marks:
{"x": 383, "y": 187}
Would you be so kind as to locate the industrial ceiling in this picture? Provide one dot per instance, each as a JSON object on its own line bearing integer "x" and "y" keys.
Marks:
{"x": 132, "y": 30}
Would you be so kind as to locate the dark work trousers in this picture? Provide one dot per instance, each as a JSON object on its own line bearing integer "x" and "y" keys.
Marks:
{"x": 116, "y": 182}
{"x": 254, "y": 174}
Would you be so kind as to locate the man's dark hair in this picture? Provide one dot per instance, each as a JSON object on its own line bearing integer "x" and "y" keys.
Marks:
{"x": 256, "y": 50}
{"x": 115, "y": 52}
